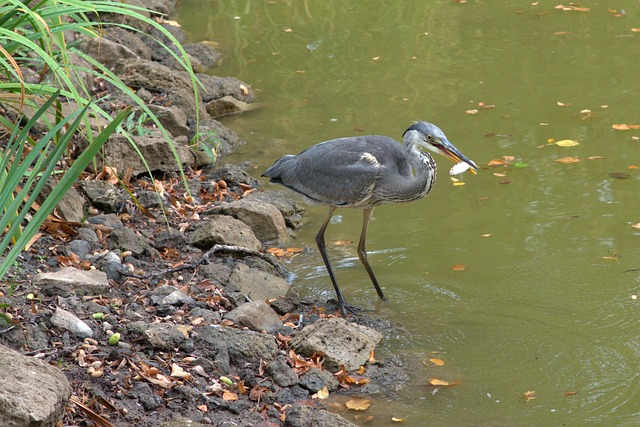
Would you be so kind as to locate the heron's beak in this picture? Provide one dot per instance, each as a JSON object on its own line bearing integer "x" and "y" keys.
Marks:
{"x": 448, "y": 150}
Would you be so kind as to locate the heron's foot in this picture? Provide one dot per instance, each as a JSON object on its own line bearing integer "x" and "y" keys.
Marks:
{"x": 348, "y": 309}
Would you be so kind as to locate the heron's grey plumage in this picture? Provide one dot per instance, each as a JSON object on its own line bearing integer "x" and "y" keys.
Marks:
{"x": 365, "y": 171}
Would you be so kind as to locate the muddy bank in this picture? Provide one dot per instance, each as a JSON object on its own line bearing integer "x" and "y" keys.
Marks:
{"x": 167, "y": 310}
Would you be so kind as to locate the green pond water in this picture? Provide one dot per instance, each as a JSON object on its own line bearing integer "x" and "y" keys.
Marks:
{"x": 546, "y": 302}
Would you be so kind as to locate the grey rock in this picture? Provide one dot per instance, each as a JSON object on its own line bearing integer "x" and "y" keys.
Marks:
{"x": 170, "y": 295}
{"x": 70, "y": 208}
{"x": 184, "y": 422}
{"x": 102, "y": 194}
{"x": 283, "y": 374}
{"x": 255, "y": 315}
{"x": 169, "y": 239}
{"x": 164, "y": 336}
{"x": 109, "y": 52}
{"x": 287, "y": 304}
{"x": 316, "y": 379}
{"x": 155, "y": 77}
{"x": 256, "y": 284}
{"x": 34, "y": 394}
{"x": 149, "y": 199}
{"x": 206, "y": 55}
{"x": 70, "y": 322}
{"x": 220, "y": 87}
{"x": 228, "y": 346}
{"x": 173, "y": 119}
{"x": 227, "y": 106}
{"x": 70, "y": 280}
{"x": 342, "y": 343}
{"x": 80, "y": 248}
{"x": 291, "y": 210}
{"x": 224, "y": 230}
{"x": 207, "y": 315}
{"x": 88, "y": 235}
{"x": 265, "y": 220}
{"x": 126, "y": 239}
{"x": 291, "y": 395}
{"x": 306, "y": 416}
{"x": 110, "y": 221}
{"x": 154, "y": 148}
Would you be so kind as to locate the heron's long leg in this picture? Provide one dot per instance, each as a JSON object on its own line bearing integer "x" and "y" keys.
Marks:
{"x": 323, "y": 251}
{"x": 362, "y": 251}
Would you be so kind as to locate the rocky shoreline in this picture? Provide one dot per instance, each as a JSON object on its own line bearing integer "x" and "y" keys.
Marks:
{"x": 167, "y": 310}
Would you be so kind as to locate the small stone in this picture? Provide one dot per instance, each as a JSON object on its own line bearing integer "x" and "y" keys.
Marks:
{"x": 69, "y": 322}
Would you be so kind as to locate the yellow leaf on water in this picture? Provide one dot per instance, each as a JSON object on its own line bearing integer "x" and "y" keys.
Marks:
{"x": 398, "y": 420}
{"x": 358, "y": 404}
{"x": 438, "y": 382}
{"x": 567, "y": 143}
{"x": 636, "y": 225}
{"x": 436, "y": 361}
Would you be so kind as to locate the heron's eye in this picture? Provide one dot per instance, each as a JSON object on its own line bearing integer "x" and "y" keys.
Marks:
{"x": 429, "y": 138}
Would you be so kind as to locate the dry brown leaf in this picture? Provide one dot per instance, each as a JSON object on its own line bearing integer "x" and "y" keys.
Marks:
{"x": 229, "y": 396}
{"x": 473, "y": 111}
{"x": 398, "y": 420}
{"x": 569, "y": 393}
{"x": 528, "y": 395}
{"x": 568, "y": 160}
{"x": 459, "y": 267}
{"x": 178, "y": 372}
{"x": 358, "y": 404}
{"x": 637, "y": 225}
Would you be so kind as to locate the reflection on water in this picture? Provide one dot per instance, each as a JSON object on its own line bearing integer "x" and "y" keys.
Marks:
{"x": 544, "y": 303}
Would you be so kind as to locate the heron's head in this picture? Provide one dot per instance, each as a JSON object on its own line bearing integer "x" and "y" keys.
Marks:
{"x": 431, "y": 137}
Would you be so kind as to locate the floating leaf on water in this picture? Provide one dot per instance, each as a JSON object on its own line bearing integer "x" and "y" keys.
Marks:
{"x": 473, "y": 111}
{"x": 521, "y": 165}
{"x": 459, "y": 267}
{"x": 358, "y": 404}
{"x": 436, "y": 361}
{"x": 398, "y": 420}
{"x": 528, "y": 395}
{"x": 569, "y": 393}
{"x": 497, "y": 162}
{"x": 619, "y": 175}
{"x": 441, "y": 383}
{"x": 625, "y": 126}
{"x": 567, "y": 143}
{"x": 568, "y": 160}
{"x": 636, "y": 225}
{"x": 596, "y": 157}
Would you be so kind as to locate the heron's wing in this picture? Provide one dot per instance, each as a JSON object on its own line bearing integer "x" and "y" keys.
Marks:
{"x": 341, "y": 172}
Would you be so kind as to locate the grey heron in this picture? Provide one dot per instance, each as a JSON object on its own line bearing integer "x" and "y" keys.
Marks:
{"x": 364, "y": 172}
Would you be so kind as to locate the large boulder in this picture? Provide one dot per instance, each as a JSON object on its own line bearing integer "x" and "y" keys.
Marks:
{"x": 33, "y": 394}
{"x": 265, "y": 220}
{"x": 72, "y": 281}
{"x": 257, "y": 284}
{"x": 224, "y": 230}
{"x": 342, "y": 343}
{"x": 226, "y": 347}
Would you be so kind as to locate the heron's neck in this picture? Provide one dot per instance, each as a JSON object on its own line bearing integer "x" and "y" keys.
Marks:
{"x": 424, "y": 172}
